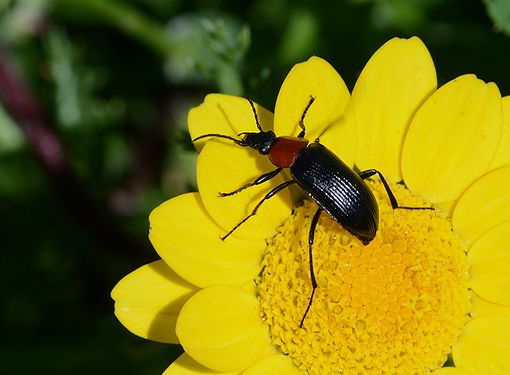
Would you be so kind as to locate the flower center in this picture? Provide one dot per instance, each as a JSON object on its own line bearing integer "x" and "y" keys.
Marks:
{"x": 394, "y": 306}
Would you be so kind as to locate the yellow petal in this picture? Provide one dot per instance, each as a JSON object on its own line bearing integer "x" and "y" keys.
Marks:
{"x": 484, "y": 345}
{"x": 452, "y": 139}
{"x": 394, "y": 83}
{"x": 251, "y": 288}
{"x": 314, "y": 77}
{"x": 189, "y": 241}
{"x": 223, "y": 168}
{"x": 489, "y": 258}
{"x": 185, "y": 365}
{"x": 483, "y": 307}
{"x": 484, "y": 205}
{"x": 227, "y": 115}
{"x": 340, "y": 137}
{"x": 148, "y": 300}
{"x": 451, "y": 371}
{"x": 274, "y": 364}
{"x": 221, "y": 328}
{"x": 503, "y": 154}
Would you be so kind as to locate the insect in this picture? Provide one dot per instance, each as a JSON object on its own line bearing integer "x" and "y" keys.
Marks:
{"x": 335, "y": 187}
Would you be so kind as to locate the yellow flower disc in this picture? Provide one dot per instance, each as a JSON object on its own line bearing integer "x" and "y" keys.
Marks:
{"x": 395, "y": 306}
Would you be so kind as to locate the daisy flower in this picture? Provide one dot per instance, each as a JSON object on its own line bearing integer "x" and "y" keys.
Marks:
{"x": 432, "y": 287}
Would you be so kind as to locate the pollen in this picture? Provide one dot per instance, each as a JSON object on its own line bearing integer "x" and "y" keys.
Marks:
{"x": 394, "y": 306}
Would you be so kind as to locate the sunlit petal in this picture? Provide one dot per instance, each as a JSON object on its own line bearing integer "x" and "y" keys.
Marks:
{"x": 220, "y": 327}
{"x": 452, "y": 139}
{"x": 484, "y": 345}
{"x": 185, "y": 365}
{"x": 223, "y": 168}
{"x": 489, "y": 258}
{"x": 340, "y": 137}
{"x": 484, "y": 205}
{"x": 227, "y": 115}
{"x": 451, "y": 371}
{"x": 394, "y": 83}
{"x": 148, "y": 300}
{"x": 189, "y": 241}
{"x": 274, "y": 364}
{"x": 483, "y": 307}
{"x": 503, "y": 154}
{"x": 312, "y": 78}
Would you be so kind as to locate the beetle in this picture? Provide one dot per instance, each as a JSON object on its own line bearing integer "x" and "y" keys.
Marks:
{"x": 326, "y": 179}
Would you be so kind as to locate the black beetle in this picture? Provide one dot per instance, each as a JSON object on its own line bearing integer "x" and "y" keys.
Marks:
{"x": 336, "y": 188}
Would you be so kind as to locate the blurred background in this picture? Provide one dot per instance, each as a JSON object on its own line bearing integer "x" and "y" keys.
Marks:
{"x": 94, "y": 98}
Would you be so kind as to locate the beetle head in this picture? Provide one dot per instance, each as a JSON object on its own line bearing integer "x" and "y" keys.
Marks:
{"x": 260, "y": 141}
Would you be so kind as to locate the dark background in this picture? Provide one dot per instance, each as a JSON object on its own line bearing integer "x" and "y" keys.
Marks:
{"x": 105, "y": 86}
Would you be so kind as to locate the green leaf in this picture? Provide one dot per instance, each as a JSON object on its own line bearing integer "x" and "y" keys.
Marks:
{"x": 499, "y": 12}
{"x": 77, "y": 85}
{"x": 300, "y": 37}
{"x": 208, "y": 48}
{"x": 11, "y": 137}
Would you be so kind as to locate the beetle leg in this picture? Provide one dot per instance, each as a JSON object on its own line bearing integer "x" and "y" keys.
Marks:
{"x": 259, "y": 180}
{"x": 302, "y": 121}
{"x": 266, "y": 197}
{"x": 370, "y": 172}
{"x": 311, "y": 237}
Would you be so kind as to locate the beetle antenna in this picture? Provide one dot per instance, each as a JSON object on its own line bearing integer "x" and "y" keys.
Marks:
{"x": 256, "y": 116}
{"x": 302, "y": 121}
{"x": 236, "y": 141}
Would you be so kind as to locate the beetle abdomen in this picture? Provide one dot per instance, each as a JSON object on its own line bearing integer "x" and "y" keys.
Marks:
{"x": 337, "y": 189}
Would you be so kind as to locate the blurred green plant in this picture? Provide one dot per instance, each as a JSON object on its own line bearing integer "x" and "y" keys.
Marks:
{"x": 205, "y": 49}
{"x": 11, "y": 137}
{"x": 196, "y": 48}
{"x": 499, "y": 11}
{"x": 76, "y": 86}
{"x": 20, "y": 19}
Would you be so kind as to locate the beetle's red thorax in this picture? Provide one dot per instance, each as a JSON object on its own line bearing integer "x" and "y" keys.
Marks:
{"x": 285, "y": 149}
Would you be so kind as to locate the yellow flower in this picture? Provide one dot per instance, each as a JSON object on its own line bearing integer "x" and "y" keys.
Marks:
{"x": 432, "y": 284}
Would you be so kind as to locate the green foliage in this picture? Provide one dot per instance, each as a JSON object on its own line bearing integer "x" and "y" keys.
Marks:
{"x": 499, "y": 11}
{"x": 116, "y": 79}
{"x": 205, "y": 49}
{"x": 75, "y": 86}
{"x": 299, "y": 37}
{"x": 11, "y": 137}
